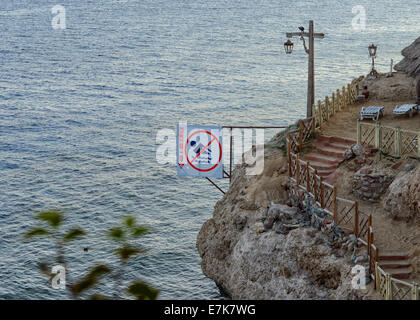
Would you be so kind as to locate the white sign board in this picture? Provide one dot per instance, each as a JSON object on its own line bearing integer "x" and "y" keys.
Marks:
{"x": 199, "y": 151}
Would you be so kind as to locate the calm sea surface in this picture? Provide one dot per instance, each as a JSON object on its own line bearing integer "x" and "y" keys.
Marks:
{"x": 80, "y": 109}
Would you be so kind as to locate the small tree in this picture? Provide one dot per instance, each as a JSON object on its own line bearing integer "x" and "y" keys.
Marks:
{"x": 129, "y": 230}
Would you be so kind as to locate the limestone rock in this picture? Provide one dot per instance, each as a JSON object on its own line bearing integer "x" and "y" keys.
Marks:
{"x": 358, "y": 150}
{"x": 411, "y": 62}
{"x": 402, "y": 200}
{"x": 249, "y": 261}
{"x": 348, "y": 154}
{"x": 398, "y": 87}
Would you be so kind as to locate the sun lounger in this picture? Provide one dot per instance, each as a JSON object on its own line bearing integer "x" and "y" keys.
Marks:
{"x": 373, "y": 112}
{"x": 361, "y": 98}
{"x": 409, "y": 109}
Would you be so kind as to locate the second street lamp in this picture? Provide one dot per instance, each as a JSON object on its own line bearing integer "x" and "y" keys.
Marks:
{"x": 311, "y": 52}
{"x": 372, "y": 53}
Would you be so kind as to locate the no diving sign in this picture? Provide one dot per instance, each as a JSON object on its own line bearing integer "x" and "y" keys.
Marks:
{"x": 199, "y": 151}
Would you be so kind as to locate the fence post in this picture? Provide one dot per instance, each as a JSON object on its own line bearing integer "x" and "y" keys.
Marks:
{"x": 289, "y": 155}
{"x": 350, "y": 93}
{"x": 357, "y": 89}
{"x": 378, "y": 137}
{"x": 334, "y": 203}
{"x": 308, "y": 184}
{"x": 297, "y": 169}
{"x": 313, "y": 125}
{"x": 328, "y": 107}
{"x": 418, "y": 144}
{"x": 345, "y": 97}
{"x": 339, "y": 104}
{"x": 300, "y": 134}
{"x": 359, "y": 132}
{"x": 315, "y": 187}
{"x": 370, "y": 250}
{"x": 397, "y": 145}
{"x": 322, "y": 192}
{"x": 356, "y": 219}
{"x": 377, "y": 284}
{"x": 321, "y": 116}
{"x": 415, "y": 291}
{"x": 388, "y": 287}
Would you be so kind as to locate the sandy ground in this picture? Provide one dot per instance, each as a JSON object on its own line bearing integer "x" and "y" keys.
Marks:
{"x": 343, "y": 123}
{"x": 390, "y": 235}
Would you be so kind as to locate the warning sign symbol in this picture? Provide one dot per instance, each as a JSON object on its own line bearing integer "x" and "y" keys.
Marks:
{"x": 201, "y": 147}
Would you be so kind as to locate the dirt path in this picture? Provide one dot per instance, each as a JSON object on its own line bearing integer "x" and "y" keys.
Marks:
{"x": 343, "y": 123}
{"x": 390, "y": 235}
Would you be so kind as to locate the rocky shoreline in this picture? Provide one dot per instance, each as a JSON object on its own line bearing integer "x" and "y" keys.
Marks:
{"x": 257, "y": 247}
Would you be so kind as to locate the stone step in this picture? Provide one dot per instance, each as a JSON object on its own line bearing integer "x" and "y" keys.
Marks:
{"x": 340, "y": 140}
{"x": 403, "y": 273}
{"x": 323, "y": 166}
{"x": 331, "y": 152}
{"x": 393, "y": 256}
{"x": 335, "y": 145}
{"x": 396, "y": 264}
{"x": 320, "y": 158}
{"x": 324, "y": 173}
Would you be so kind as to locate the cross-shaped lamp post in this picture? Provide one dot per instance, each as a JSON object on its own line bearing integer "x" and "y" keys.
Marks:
{"x": 288, "y": 47}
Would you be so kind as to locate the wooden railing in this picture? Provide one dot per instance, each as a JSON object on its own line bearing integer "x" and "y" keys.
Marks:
{"x": 394, "y": 141}
{"x": 345, "y": 213}
{"x": 338, "y": 101}
{"x": 394, "y": 289}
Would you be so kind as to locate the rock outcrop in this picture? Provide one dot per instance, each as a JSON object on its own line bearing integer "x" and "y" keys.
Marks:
{"x": 249, "y": 258}
{"x": 411, "y": 62}
{"x": 249, "y": 262}
{"x": 402, "y": 200}
{"x": 369, "y": 185}
{"x": 398, "y": 87}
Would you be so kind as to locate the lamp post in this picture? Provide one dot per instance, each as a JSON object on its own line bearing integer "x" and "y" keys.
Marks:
{"x": 372, "y": 53}
{"x": 288, "y": 46}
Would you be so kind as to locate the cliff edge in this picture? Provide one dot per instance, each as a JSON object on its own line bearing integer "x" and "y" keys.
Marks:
{"x": 250, "y": 260}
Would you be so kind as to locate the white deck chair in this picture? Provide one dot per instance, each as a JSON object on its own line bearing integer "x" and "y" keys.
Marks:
{"x": 373, "y": 112}
{"x": 409, "y": 109}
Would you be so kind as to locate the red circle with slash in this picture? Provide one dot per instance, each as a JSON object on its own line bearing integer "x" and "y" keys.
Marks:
{"x": 211, "y": 141}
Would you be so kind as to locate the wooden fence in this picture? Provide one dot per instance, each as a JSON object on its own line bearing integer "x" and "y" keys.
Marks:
{"x": 394, "y": 141}
{"x": 394, "y": 289}
{"x": 345, "y": 213}
{"x": 338, "y": 101}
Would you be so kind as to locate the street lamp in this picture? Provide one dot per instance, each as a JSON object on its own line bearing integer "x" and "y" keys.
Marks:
{"x": 288, "y": 47}
{"x": 372, "y": 53}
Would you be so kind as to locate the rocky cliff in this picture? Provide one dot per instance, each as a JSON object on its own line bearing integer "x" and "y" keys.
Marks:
{"x": 411, "y": 62}
{"x": 402, "y": 200}
{"x": 250, "y": 260}
{"x": 402, "y": 85}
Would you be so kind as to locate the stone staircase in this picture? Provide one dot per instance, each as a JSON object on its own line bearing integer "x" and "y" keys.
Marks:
{"x": 328, "y": 153}
{"x": 396, "y": 263}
